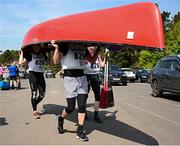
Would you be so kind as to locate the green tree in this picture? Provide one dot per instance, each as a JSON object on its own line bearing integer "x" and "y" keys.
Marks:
{"x": 148, "y": 59}
{"x": 166, "y": 20}
{"x": 9, "y": 56}
{"x": 172, "y": 37}
{"x": 124, "y": 58}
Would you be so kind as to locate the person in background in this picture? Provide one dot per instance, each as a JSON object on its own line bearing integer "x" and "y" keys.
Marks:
{"x": 1, "y": 71}
{"x": 13, "y": 73}
{"x": 6, "y": 74}
{"x": 72, "y": 57}
{"x": 36, "y": 61}
{"x": 92, "y": 72}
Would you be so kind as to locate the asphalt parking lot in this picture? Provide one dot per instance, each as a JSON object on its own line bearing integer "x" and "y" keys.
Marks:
{"x": 137, "y": 118}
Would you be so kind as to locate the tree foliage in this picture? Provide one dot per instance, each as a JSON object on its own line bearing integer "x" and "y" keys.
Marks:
{"x": 125, "y": 58}
{"x": 148, "y": 59}
{"x": 9, "y": 56}
{"x": 166, "y": 20}
{"x": 172, "y": 37}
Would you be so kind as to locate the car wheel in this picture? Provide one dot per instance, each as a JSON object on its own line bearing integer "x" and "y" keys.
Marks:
{"x": 156, "y": 92}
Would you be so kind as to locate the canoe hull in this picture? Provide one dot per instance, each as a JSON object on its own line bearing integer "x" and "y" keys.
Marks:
{"x": 137, "y": 24}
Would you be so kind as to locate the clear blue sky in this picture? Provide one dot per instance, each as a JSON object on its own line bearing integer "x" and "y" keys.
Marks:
{"x": 18, "y": 16}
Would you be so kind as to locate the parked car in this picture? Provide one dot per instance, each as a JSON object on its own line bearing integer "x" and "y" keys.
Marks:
{"x": 165, "y": 76}
{"x": 130, "y": 74}
{"x": 116, "y": 76}
{"x": 50, "y": 74}
{"x": 142, "y": 75}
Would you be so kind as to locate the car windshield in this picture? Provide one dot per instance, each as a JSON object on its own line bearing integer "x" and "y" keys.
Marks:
{"x": 127, "y": 69}
{"x": 143, "y": 71}
{"x": 114, "y": 68}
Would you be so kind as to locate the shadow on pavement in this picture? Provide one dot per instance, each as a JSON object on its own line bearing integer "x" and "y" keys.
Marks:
{"x": 22, "y": 88}
{"x": 3, "y": 121}
{"x": 110, "y": 125}
{"x": 171, "y": 96}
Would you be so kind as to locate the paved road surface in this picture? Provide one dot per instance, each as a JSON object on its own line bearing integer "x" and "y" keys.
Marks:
{"x": 137, "y": 118}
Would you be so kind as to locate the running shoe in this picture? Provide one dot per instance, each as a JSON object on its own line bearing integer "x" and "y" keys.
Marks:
{"x": 36, "y": 115}
{"x": 40, "y": 113}
{"x": 82, "y": 136}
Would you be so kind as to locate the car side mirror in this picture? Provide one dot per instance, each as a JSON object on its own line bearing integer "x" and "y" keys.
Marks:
{"x": 177, "y": 68}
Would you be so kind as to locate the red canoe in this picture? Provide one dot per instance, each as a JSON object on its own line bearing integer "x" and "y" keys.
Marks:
{"x": 138, "y": 24}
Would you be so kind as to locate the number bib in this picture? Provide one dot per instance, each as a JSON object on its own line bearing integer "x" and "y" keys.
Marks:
{"x": 92, "y": 68}
{"x": 37, "y": 63}
{"x": 75, "y": 58}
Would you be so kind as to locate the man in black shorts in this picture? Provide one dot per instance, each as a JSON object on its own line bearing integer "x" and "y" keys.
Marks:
{"x": 13, "y": 73}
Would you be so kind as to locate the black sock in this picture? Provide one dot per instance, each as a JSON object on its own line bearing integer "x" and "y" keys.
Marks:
{"x": 79, "y": 128}
{"x": 95, "y": 114}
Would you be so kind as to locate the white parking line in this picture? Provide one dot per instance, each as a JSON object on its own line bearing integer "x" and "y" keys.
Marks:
{"x": 54, "y": 92}
{"x": 161, "y": 117}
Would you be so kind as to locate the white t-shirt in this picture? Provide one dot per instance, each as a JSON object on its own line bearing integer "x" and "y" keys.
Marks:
{"x": 37, "y": 63}
{"x": 92, "y": 68}
{"x": 75, "y": 58}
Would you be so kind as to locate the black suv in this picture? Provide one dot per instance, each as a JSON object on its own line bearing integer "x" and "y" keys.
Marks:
{"x": 165, "y": 76}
